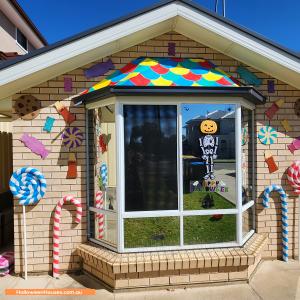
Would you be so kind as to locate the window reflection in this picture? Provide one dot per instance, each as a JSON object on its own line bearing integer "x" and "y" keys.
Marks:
{"x": 208, "y": 146}
{"x": 150, "y": 133}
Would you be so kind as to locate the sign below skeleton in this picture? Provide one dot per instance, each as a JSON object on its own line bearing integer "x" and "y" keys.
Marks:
{"x": 209, "y": 146}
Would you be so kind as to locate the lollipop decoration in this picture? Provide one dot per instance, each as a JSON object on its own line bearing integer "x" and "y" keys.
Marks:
{"x": 293, "y": 176}
{"x": 267, "y": 135}
{"x": 99, "y": 201}
{"x": 56, "y": 226}
{"x": 29, "y": 186}
{"x": 72, "y": 137}
{"x": 104, "y": 174}
{"x": 284, "y": 217}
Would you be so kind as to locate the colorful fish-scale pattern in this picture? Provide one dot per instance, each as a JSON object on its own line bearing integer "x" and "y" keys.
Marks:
{"x": 166, "y": 71}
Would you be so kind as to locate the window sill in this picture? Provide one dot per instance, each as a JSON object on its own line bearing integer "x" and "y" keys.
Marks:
{"x": 118, "y": 270}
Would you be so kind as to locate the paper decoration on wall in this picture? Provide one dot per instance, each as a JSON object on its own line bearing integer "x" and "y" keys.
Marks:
{"x": 7, "y": 260}
{"x": 167, "y": 71}
{"x": 267, "y": 135}
{"x": 209, "y": 146}
{"x": 248, "y": 76}
{"x": 286, "y": 125}
{"x": 271, "y": 86}
{"x": 27, "y": 107}
{"x": 48, "y": 124}
{"x": 293, "y": 176}
{"x": 284, "y": 215}
{"x": 72, "y": 137}
{"x": 99, "y": 203}
{"x": 64, "y": 112}
{"x": 72, "y": 166}
{"x": 270, "y": 161}
{"x": 271, "y": 111}
{"x": 29, "y": 186}
{"x": 171, "y": 49}
{"x": 104, "y": 174}
{"x": 297, "y": 107}
{"x": 56, "y": 228}
{"x": 103, "y": 142}
{"x": 34, "y": 145}
{"x": 68, "y": 84}
{"x": 245, "y": 136}
{"x": 294, "y": 145}
{"x": 99, "y": 69}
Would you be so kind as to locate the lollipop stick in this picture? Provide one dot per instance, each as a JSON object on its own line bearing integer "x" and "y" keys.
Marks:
{"x": 25, "y": 242}
{"x": 299, "y": 230}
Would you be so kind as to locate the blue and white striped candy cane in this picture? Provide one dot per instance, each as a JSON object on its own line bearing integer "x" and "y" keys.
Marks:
{"x": 28, "y": 185}
{"x": 284, "y": 217}
{"x": 104, "y": 174}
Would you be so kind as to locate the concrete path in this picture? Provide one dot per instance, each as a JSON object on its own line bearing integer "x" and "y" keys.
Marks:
{"x": 273, "y": 280}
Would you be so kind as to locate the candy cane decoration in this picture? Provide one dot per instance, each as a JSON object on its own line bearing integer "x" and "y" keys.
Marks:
{"x": 284, "y": 217}
{"x": 293, "y": 176}
{"x": 57, "y": 217}
{"x": 100, "y": 217}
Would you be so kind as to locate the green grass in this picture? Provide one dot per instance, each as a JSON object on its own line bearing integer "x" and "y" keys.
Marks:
{"x": 164, "y": 231}
{"x": 193, "y": 201}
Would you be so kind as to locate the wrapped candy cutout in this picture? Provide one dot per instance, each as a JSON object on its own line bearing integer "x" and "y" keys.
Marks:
{"x": 267, "y": 135}
{"x": 34, "y": 145}
{"x": 68, "y": 84}
{"x": 270, "y": 112}
{"x": 99, "y": 69}
{"x": 171, "y": 49}
{"x": 48, "y": 124}
{"x": 72, "y": 137}
{"x": 295, "y": 145}
{"x": 72, "y": 167}
{"x": 271, "y": 86}
{"x": 270, "y": 161}
{"x": 248, "y": 77}
{"x": 64, "y": 112}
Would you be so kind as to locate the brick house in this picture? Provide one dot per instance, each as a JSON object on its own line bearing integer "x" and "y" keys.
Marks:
{"x": 133, "y": 85}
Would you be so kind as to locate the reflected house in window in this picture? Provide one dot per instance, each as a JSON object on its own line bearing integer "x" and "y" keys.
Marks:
{"x": 225, "y": 133}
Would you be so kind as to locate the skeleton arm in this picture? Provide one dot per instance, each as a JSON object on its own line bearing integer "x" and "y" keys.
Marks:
{"x": 216, "y": 147}
{"x": 201, "y": 146}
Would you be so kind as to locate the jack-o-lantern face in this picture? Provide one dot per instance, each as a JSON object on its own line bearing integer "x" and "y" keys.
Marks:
{"x": 208, "y": 127}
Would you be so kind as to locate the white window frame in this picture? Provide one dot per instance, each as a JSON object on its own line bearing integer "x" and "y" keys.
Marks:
{"x": 16, "y": 39}
{"x": 120, "y": 189}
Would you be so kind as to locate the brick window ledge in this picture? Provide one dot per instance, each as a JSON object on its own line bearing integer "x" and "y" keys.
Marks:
{"x": 132, "y": 270}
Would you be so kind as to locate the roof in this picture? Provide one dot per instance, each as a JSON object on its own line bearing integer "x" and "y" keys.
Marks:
{"x": 167, "y": 71}
{"x": 181, "y": 16}
{"x": 8, "y": 55}
{"x": 28, "y": 20}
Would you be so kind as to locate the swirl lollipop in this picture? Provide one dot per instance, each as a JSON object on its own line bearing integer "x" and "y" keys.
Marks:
{"x": 72, "y": 137}
{"x": 29, "y": 186}
{"x": 267, "y": 135}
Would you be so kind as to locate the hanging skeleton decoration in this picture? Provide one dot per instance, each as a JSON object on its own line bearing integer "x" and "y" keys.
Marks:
{"x": 209, "y": 146}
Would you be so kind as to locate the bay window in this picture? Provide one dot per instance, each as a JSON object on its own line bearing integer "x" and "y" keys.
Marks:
{"x": 180, "y": 173}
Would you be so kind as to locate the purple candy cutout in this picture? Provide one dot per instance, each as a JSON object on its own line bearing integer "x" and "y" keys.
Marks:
{"x": 34, "y": 145}
{"x": 171, "y": 49}
{"x": 271, "y": 86}
{"x": 74, "y": 142}
{"x": 68, "y": 84}
{"x": 99, "y": 69}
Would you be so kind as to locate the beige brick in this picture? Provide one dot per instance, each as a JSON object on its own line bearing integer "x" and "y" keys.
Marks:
{"x": 204, "y": 277}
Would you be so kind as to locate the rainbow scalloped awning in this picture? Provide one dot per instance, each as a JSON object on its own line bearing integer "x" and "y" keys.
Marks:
{"x": 165, "y": 71}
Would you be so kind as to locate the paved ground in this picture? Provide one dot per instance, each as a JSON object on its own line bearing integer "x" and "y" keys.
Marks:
{"x": 273, "y": 280}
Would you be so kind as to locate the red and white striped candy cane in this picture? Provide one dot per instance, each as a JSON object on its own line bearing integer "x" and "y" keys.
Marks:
{"x": 100, "y": 217}
{"x": 57, "y": 217}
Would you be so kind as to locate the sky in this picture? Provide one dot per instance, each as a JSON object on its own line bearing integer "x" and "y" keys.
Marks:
{"x": 277, "y": 20}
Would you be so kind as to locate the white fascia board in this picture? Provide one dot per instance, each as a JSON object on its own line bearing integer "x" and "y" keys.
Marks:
{"x": 228, "y": 38}
{"x": 75, "y": 49}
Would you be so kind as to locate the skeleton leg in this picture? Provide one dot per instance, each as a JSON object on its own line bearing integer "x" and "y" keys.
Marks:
{"x": 212, "y": 176}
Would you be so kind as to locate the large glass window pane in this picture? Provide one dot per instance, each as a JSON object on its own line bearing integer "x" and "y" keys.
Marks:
{"x": 208, "y": 148}
{"x": 103, "y": 227}
{"x": 209, "y": 229}
{"x": 150, "y": 134}
{"x": 151, "y": 232}
{"x": 247, "y": 155}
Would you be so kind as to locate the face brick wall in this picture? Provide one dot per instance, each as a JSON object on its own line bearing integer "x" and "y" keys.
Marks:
{"x": 54, "y": 167}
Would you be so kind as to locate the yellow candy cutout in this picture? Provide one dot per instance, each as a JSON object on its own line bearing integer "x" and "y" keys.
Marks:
{"x": 212, "y": 76}
{"x": 179, "y": 70}
{"x": 102, "y": 84}
{"x": 149, "y": 62}
{"x": 161, "y": 82}
{"x": 197, "y": 60}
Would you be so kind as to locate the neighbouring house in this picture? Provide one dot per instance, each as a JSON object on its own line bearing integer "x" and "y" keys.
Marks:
{"x": 110, "y": 108}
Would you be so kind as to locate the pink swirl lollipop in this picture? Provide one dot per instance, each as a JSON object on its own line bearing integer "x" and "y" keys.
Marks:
{"x": 72, "y": 137}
